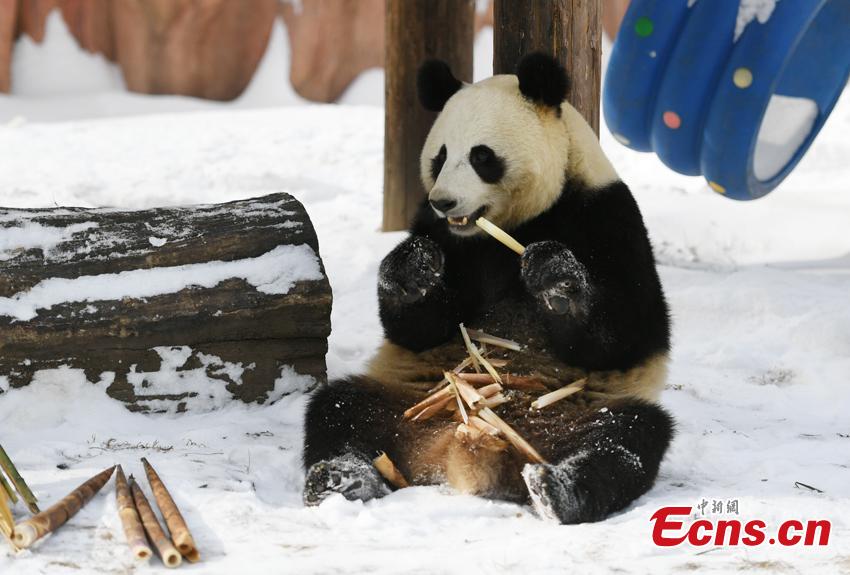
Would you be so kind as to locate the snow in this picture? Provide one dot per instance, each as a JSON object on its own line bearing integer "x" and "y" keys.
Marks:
{"x": 758, "y": 380}
{"x": 36, "y": 236}
{"x": 274, "y": 272}
{"x": 750, "y": 10}
{"x": 786, "y": 124}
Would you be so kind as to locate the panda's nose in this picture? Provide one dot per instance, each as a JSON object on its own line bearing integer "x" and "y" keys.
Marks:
{"x": 443, "y": 205}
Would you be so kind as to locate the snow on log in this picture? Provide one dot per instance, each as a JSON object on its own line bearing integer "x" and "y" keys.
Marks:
{"x": 168, "y": 309}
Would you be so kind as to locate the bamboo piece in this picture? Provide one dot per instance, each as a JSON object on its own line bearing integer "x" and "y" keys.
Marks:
{"x": 180, "y": 533}
{"x": 483, "y": 426}
{"x": 7, "y": 489}
{"x": 512, "y": 436}
{"x": 490, "y": 390}
{"x": 460, "y": 408}
{"x": 477, "y": 355}
{"x": 130, "y": 521}
{"x": 559, "y": 394}
{"x": 530, "y": 382}
{"x": 18, "y": 481}
{"x": 50, "y": 519}
{"x": 495, "y": 362}
{"x": 436, "y": 397}
{"x": 169, "y": 554}
{"x": 482, "y": 337}
{"x": 433, "y": 409}
{"x": 499, "y": 234}
{"x": 493, "y": 401}
{"x": 468, "y": 393}
{"x": 387, "y": 468}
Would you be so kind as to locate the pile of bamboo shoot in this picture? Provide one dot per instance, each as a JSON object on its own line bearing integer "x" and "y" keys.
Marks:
{"x": 472, "y": 397}
{"x": 138, "y": 520}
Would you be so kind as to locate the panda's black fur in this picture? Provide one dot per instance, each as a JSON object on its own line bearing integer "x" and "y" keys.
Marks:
{"x": 587, "y": 300}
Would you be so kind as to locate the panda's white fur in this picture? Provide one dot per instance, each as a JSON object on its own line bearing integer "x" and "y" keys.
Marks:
{"x": 539, "y": 146}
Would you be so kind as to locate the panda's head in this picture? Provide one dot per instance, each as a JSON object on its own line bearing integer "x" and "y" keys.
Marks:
{"x": 500, "y": 147}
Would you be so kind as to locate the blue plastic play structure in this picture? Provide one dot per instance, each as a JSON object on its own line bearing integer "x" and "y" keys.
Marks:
{"x": 684, "y": 83}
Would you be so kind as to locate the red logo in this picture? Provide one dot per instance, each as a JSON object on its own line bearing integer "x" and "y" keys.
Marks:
{"x": 675, "y": 525}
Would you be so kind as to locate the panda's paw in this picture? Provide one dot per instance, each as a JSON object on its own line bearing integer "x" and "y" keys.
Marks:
{"x": 411, "y": 271}
{"x": 554, "y": 495}
{"x": 555, "y": 278}
{"x": 351, "y": 475}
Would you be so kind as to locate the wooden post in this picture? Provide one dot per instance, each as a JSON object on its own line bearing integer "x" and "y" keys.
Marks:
{"x": 416, "y": 30}
{"x": 570, "y": 30}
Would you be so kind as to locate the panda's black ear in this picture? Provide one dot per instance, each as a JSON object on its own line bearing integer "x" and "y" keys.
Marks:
{"x": 542, "y": 79}
{"x": 436, "y": 84}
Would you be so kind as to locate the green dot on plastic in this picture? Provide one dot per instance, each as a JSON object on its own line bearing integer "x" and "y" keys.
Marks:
{"x": 643, "y": 27}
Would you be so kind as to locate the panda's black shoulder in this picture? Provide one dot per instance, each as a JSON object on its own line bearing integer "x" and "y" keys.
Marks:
{"x": 584, "y": 211}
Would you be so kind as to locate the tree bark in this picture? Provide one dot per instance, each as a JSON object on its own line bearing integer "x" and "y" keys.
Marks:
{"x": 570, "y": 30}
{"x": 232, "y": 321}
{"x": 417, "y": 30}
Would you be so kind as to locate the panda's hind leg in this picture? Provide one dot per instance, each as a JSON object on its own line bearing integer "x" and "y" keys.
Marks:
{"x": 608, "y": 458}
{"x": 347, "y": 423}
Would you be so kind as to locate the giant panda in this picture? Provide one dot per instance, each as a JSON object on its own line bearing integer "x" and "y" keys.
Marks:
{"x": 585, "y": 298}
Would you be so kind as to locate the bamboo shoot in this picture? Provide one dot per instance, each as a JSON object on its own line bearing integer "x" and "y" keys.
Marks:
{"x": 50, "y": 519}
{"x": 130, "y": 520}
{"x": 180, "y": 533}
{"x": 169, "y": 554}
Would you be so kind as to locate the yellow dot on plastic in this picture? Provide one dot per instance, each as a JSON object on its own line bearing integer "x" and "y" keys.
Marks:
{"x": 742, "y": 77}
{"x": 717, "y": 187}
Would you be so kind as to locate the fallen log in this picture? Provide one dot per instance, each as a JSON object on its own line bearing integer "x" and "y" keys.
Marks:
{"x": 150, "y": 300}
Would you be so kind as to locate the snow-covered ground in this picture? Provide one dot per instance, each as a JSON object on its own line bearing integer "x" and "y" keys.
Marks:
{"x": 760, "y": 294}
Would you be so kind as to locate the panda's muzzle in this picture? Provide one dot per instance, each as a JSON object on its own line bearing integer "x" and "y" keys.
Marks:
{"x": 468, "y": 220}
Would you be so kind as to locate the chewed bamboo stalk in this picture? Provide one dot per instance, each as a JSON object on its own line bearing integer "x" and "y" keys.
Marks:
{"x": 18, "y": 481}
{"x": 559, "y": 394}
{"x": 50, "y": 519}
{"x": 7, "y": 489}
{"x": 473, "y": 351}
{"x": 493, "y": 401}
{"x": 482, "y": 337}
{"x": 500, "y": 234}
{"x": 169, "y": 554}
{"x": 511, "y": 435}
{"x": 434, "y": 409}
{"x": 468, "y": 393}
{"x": 387, "y": 468}
{"x": 180, "y": 533}
{"x": 460, "y": 408}
{"x": 482, "y": 426}
{"x": 437, "y": 397}
{"x": 130, "y": 520}
{"x": 489, "y": 390}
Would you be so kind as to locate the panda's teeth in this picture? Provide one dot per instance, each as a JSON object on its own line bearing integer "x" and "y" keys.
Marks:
{"x": 464, "y": 221}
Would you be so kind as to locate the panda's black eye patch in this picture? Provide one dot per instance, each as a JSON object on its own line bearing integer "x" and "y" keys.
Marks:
{"x": 489, "y": 167}
{"x": 437, "y": 162}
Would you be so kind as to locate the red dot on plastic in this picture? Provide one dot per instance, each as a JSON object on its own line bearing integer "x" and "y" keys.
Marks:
{"x": 672, "y": 120}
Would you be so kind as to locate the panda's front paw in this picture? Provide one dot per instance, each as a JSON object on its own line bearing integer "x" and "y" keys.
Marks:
{"x": 351, "y": 475}
{"x": 554, "y": 496}
{"x": 411, "y": 271}
{"x": 555, "y": 278}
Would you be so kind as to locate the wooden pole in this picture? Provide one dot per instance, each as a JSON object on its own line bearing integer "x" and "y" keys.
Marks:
{"x": 570, "y": 30}
{"x": 416, "y": 30}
